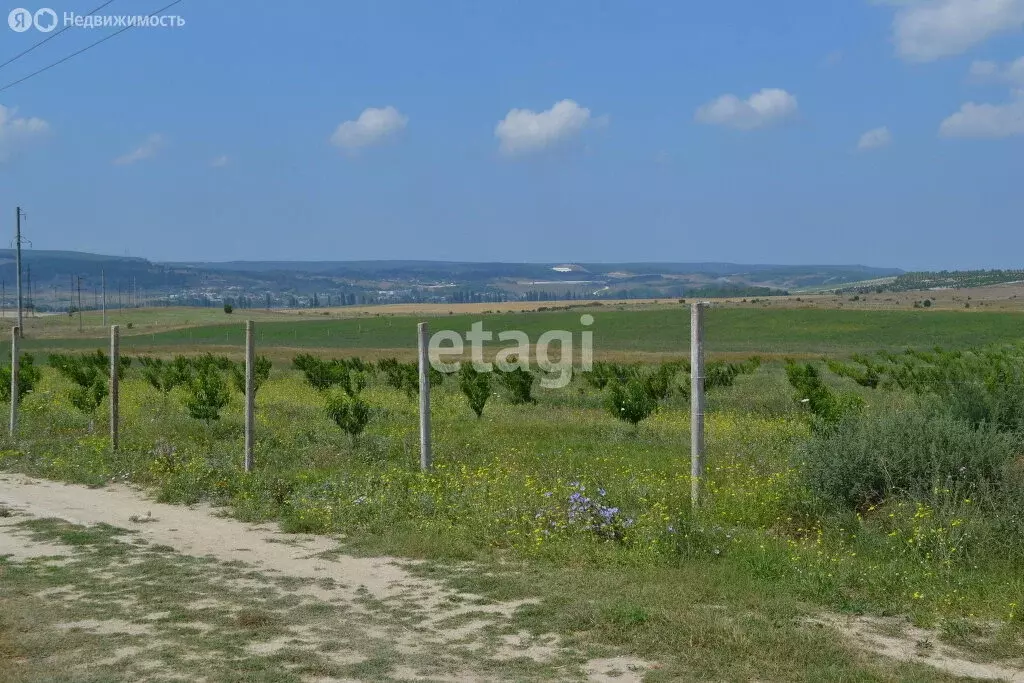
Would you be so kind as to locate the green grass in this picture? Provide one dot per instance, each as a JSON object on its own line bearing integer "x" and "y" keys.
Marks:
{"x": 660, "y": 330}
{"x": 722, "y": 593}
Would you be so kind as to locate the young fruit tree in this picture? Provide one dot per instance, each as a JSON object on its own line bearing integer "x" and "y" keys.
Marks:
{"x": 518, "y": 381}
{"x": 476, "y": 386}
{"x": 28, "y": 376}
{"x": 164, "y": 376}
{"x": 260, "y": 374}
{"x": 350, "y": 413}
{"x": 89, "y": 372}
{"x": 208, "y": 392}
{"x": 631, "y": 402}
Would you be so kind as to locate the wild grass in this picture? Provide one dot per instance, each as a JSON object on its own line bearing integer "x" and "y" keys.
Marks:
{"x": 559, "y": 498}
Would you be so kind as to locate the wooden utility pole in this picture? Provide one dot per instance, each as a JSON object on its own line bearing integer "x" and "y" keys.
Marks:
{"x": 425, "y": 454}
{"x": 15, "y": 333}
{"x": 17, "y": 244}
{"x": 115, "y": 406}
{"x": 250, "y": 394}
{"x": 696, "y": 401}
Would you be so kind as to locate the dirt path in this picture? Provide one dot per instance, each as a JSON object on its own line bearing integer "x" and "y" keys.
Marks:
{"x": 431, "y": 632}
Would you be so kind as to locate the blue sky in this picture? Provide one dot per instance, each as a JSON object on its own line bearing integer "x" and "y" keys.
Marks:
{"x": 887, "y": 133}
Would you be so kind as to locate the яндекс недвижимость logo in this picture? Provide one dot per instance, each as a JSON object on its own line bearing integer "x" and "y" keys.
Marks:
{"x": 46, "y": 20}
{"x": 21, "y": 19}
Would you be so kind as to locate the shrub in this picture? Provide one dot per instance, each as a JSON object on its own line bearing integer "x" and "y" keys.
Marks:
{"x": 321, "y": 374}
{"x": 164, "y": 376}
{"x": 476, "y": 386}
{"x": 406, "y": 376}
{"x": 631, "y": 402}
{"x": 228, "y": 308}
{"x": 29, "y": 375}
{"x": 350, "y": 413}
{"x": 719, "y": 374}
{"x": 518, "y": 382}
{"x": 658, "y": 380}
{"x": 600, "y": 374}
{"x": 864, "y": 373}
{"x": 916, "y": 452}
{"x": 207, "y": 392}
{"x": 90, "y": 373}
{"x": 393, "y": 373}
{"x": 827, "y": 408}
{"x": 261, "y": 372}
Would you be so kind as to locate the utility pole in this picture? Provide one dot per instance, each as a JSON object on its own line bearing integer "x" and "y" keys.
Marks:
{"x": 696, "y": 402}
{"x": 426, "y": 456}
{"x": 3, "y": 298}
{"x": 103, "y": 286}
{"x": 15, "y": 333}
{"x": 17, "y": 243}
{"x": 115, "y": 366}
{"x": 79, "y": 303}
{"x": 250, "y": 394}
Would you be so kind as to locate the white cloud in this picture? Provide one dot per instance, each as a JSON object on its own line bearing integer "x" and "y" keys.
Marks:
{"x": 524, "y": 130}
{"x": 372, "y": 127}
{"x": 986, "y": 120}
{"x": 992, "y": 72}
{"x": 875, "y": 138}
{"x": 147, "y": 150}
{"x": 765, "y": 108}
{"x": 219, "y": 162}
{"x": 925, "y": 30}
{"x": 16, "y": 131}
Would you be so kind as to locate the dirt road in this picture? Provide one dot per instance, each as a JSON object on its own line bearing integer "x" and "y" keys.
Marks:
{"x": 319, "y": 615}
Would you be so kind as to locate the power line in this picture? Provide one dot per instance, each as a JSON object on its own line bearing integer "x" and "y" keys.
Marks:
{"x": 84, "y": 49}
{"x": 50, "y": 37}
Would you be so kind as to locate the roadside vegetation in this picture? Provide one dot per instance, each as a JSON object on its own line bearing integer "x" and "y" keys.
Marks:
{"x": 884, "y": 483}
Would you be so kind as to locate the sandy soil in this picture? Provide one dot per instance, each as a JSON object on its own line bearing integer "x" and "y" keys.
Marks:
{"x": 903, "y": 642}
{"x": 203, "y": 532}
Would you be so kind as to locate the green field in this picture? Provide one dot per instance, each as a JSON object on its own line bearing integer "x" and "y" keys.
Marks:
{"x": 658, "y": 330}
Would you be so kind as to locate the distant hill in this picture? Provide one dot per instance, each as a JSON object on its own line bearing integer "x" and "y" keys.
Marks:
{"x": 55, "y": 277}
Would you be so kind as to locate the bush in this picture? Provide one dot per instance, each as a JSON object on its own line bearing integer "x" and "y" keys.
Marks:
{"x": 827, "y": 408}
{"x": 406, "y": 376}
{"x": 164, "y": 376}
{"x": 600, "y": 374}
{"x": 350, "y": 413}
{"x": 321, "y": 374}
{"x": 90, "y": 373}
{"x": 518, "y": 382}
{"x": 228, "y": 308}
{"x": 916, "y": 452}
{"x": 261, "y": 372}
{"x": 631, "y": 402}
{"x": 29, "y": 375}
{"x": 476, "y": 386}
{"x": 207, "y": 391}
